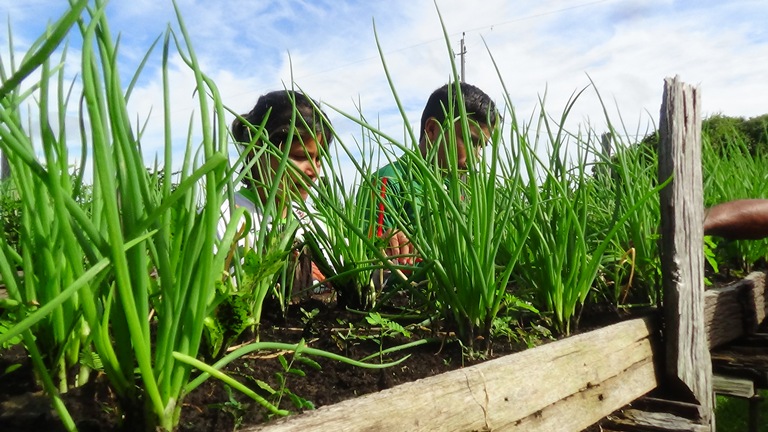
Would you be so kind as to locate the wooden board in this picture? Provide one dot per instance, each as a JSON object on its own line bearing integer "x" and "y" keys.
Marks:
{"x": 736, "y": 310}
{"x": 564, "y": 385}
{"x": 748, "y": 361}
{"x": 576, "y": 412}
{"x": 653, "y": 414}
{"x": 731, "y": 386}
{"x": 639, "y": 420}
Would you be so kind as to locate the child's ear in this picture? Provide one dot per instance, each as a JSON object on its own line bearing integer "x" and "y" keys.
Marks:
{"x": 432, "y": 129}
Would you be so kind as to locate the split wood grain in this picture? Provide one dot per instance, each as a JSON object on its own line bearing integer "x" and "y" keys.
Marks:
{"x": 688, "y": 364}
{"x": 735, "y": 311}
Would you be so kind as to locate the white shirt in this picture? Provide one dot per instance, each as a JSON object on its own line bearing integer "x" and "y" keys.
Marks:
{"x": 247, "y": 240}
{"x": 254, "y": 211}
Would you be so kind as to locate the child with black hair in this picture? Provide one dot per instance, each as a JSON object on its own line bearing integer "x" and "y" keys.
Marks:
{"x": 295, "y": 128}
{"x": 309, "y": 136}
{"x": 390, "y": 193}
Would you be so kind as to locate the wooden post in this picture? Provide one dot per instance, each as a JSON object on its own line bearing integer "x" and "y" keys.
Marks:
{"x": 5, "y": 167}
{"x": 605, "y": 143}
{"x": 688, "y": 365}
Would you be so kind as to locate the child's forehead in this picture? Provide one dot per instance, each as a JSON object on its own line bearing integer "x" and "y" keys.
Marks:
{"x": 304, "y": 129}
{"x": 475, "y": 129}
{"x": 303, "y": 138}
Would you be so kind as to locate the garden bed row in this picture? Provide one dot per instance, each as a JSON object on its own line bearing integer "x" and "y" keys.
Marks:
{"x": 566, "y": 385}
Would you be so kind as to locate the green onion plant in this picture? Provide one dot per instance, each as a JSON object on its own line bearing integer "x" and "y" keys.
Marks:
{"x": 97, "y": 273}
{"x": 260, "y": 263}
{"x": 343, "y": 247}
{"x": 460, "y": 223}
{"x": 564, "y": 253}
{"x": 343, "y": 241}
{"x": 621, "y": 179}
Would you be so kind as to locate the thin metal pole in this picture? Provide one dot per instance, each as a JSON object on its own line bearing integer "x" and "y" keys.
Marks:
{"x": 461, "y": 54}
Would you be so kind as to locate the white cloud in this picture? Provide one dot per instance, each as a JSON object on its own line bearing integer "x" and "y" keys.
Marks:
{"x": 627, "y": 47}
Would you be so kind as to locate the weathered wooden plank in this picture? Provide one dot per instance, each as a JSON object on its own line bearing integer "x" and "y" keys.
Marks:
{"x": 732, "y": 386}
{"x": 760, "y": 296}
{"x": 734, "y": 311}
{"x": 654, "y": 414}
{"x": 578, "y": 411}
{"x": 749, "y": 362}
{"x": 755, "y": 339}
{"x": 634, "y": 419}
{"x": 659, "y": 404}
{"x": 497, "y": 394}
{"x": 687, "y": 359}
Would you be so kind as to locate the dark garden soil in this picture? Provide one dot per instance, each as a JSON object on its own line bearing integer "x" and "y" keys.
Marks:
{"x": 214, "y": 407}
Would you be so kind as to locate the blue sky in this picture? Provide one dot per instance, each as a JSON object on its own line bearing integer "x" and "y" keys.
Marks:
{"x": 627, "y": 47}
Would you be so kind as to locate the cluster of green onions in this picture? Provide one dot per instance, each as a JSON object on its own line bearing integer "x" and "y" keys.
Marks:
{"x": 124, "y": 281}
{"x": 128, "y": 279}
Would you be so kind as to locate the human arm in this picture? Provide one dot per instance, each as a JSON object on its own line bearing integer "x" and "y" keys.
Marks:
{"x": 745, "y": 219}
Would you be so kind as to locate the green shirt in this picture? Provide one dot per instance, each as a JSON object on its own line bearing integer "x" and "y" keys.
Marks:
{"x": 395, "y": 196}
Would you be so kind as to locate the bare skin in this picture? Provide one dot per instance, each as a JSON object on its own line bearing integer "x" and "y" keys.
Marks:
{"x": 479, "y": 134}
{"x": 399, "y": 245}
{"x": 745, "y": 219}
{"x": 305, "y": 167}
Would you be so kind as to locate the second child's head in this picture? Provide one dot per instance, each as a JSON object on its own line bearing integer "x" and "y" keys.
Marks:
{"x": 482, "y": 117}
{"x": 310, "y": 135}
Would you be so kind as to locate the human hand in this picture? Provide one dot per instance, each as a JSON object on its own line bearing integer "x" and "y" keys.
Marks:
{"x": 399, "y": 246}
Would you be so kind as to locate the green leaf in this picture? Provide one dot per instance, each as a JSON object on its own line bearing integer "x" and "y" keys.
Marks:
{"x": 283, "y": 362}
{"x": 10, "y": 369}
{"x": 297, "y": 372}
{"x": 308, "y": 361}
{"x": 299, "y": 402}
{"x": 266, "y": 387}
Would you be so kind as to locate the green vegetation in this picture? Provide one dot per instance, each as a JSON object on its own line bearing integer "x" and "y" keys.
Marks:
{"x": 732, "y": 413}
{"x": 128, "y": 275}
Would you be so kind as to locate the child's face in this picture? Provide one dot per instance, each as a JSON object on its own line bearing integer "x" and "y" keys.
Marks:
{"x": 478, "y": 133}
{"x": 304, "y": 158}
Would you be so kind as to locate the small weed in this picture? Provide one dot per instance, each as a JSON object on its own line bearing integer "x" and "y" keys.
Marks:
{"x": 289, "y": 368}
{"x": 309, "y": 316}
{"x": 711, "y": 256}
{"x": 347, "y": 339}
{"x": 226, "y": 322}
{"x": 308, "y": 319}
{"x": 387, "y": 328}
{"x": 516, "y": 333}
{"x": 233, "y": 407}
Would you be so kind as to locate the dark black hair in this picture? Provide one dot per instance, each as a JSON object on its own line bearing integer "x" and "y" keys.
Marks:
{"x": 278, "y": 106}
{"x": 478, "y": 105}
